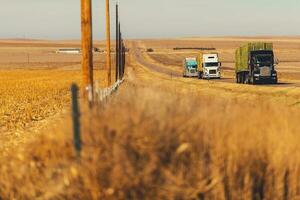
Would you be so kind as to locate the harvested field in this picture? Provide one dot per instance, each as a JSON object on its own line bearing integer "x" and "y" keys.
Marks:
{"x": 37, "y": 55}
{"x": 31, "y": 100}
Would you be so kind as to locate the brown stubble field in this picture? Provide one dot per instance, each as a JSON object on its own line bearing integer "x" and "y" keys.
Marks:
{"x": 32, "y": 54}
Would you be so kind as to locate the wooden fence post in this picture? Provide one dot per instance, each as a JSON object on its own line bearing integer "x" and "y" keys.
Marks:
{"x": 76, "y": 119}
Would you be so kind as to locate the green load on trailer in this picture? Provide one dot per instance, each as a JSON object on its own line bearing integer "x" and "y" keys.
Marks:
{"x": 255, "y": 63}
{"x": 242, "y": 54}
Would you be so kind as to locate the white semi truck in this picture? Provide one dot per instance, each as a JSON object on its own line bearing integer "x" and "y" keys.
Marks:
{"x": 209, "y": 66}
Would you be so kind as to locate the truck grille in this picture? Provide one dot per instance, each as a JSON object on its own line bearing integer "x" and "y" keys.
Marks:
{"x": 265, "y": 71}
{"x": 193, "y": 71}
{"x": 213, "y": 71}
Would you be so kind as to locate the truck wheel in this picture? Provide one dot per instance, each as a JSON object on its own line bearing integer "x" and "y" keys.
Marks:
{"x": 246, "y": 80}
{"x": 252, "y": 81}
{"x": 200, "y": 75}
{"x": 243, "y": 78}
{"x": 238, "y": 78}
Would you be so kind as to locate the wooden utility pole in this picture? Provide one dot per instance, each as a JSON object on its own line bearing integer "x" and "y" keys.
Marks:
{"x": 124, "y": 57}
{"x": 108, "y": 54}
{"x": 120, "y": 52}
{"x": 87, "y": 47}
{"x": 117, "y": 42}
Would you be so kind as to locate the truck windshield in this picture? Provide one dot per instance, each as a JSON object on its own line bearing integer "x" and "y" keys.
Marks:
{"x": 192, "y": 66}
{"x": 214, "y": 64}
{"x": 263, "y": 59}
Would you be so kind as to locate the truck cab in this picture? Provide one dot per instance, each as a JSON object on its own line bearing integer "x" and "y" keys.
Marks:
{"x": 262, "y": 66}
{"x": 211, "y": 66}
{"x": 190, "y": 67}
{"x": 255, "y": 63}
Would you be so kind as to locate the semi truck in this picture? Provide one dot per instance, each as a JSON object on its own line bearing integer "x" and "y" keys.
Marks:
{"x": 190, "y": 66}
{"x": 209, "y": 66}
{"x": 255, "y": 63}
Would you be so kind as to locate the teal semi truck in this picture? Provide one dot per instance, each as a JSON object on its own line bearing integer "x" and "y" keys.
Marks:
{"x": 255, "y": 63}
{"x": 190, "y": 67}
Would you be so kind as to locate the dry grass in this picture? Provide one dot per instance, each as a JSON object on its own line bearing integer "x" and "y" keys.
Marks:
{"x": 165, "y": 144}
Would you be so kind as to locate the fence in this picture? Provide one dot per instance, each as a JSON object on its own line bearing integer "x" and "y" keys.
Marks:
{"x": 101, "y": 94}
{"x": 92, "y": 92}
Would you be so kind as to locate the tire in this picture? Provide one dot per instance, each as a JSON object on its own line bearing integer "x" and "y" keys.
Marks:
{"x": 200, "y": 75}
{"x": 239, "y": 79}
{"x": 246, "y": 78}
{"x": 242, "y": 81}
{"x": 275, "y": 81}
{"x": 252, "y": 81}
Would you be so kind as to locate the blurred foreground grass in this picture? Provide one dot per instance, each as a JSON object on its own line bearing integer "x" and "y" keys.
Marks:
{"x": 164, "y": 142}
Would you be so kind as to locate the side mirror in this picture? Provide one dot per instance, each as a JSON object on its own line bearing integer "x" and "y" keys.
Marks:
{"x": 220, "y": 64}
{"x": 276, "y": 61}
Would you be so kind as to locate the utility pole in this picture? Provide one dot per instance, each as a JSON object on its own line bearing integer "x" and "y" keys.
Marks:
{"x": 120, "y": 52}
{"x": 87, "y": 45}
{"x": 108, "y": 54}
{"x": 124, "y": 57}
{"x": 117, "y": 42}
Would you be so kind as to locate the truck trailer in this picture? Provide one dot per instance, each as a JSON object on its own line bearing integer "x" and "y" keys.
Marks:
{"x": 190, "y": 67}
{"x": 254, "y": 63}
{"x": 208, "y": 66}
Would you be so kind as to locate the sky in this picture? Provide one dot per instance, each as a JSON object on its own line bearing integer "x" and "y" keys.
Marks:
{"x": 60, "y": 19}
